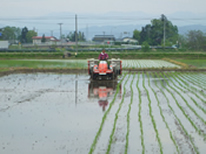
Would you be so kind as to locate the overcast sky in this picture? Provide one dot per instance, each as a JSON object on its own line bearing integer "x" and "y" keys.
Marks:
{"x": 44, "y": 15}
{"x": 15, "y": 8}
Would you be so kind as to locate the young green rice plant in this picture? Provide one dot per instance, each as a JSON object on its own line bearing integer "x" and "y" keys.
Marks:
{"x": 202, "y": 77}
{"x": 139, "y": 115}
{"x": 116, "y": 117}
{"x": 179, "y": 121}
{"x": 174, "y": 76}
{"x": 181, "y": 108}
{"x": 195, "y": 82}
{"x": 92, "y": 148}
{"x": 189, "y": 89}
{"x": 151, "y": 116}
{"x": 128, "y": 116}
{"x": 192, "y": 87}
{"x": 163, "y": 118}
{"x": 191, "y": 108}
{"x": 199, "y": 80}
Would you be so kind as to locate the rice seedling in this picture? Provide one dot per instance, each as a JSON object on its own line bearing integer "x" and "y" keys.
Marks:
{"x": 164, "y": 120}
{"x": 128, "y": 116}
{"x": 181, "y": 108}
{"x": 104, "y": 118}
{"x": 151, "y": 116}
{"x": 179, "y": 121}
{"x": 116, "y": 117}
{"x": 174, "y": 76}
{"x": 194, "y": 81}
{"x": 189, "y": 88}
{"x": 139, "y": 115}
{"x": 192, "y": 87}
{"x": 191, "y": 108}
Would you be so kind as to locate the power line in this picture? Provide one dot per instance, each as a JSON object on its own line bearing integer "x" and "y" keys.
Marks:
{"x": 97, "y": 18}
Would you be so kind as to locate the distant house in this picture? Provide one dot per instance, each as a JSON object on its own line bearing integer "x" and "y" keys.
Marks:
{"x": 49, "y": 39}
{"x": 129, "y": 40}
{"x": 4, "y": 44}
{"x": 103, "y": 38}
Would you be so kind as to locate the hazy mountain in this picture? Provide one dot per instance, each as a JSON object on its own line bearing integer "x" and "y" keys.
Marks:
{"x": 185, "y": 29}
{"x": 119, "y": 24}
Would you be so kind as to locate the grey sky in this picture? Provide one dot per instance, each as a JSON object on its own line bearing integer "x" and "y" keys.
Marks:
{"x": 13, "y": 8}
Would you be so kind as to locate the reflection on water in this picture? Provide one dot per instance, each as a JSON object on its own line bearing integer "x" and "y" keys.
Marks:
{"x": 102, "y": 90}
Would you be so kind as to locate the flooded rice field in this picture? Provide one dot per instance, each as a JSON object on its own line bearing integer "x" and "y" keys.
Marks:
{"x": 68, "y": 113}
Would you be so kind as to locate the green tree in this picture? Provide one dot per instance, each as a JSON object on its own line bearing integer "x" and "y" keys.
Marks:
{"x": 10, "y": 33}
{"x": 29, "y": 35}
{"x": 43, "y": 40}
{"x": 136, "y": 34}
{"x": 145, "y": 46}
{"x": 196, "y": 40}
{"x": 153, "y": 33}
{"x": 23, "y": 35}
{"x": 182, "y": 41}
{"x": 72, "y": 36}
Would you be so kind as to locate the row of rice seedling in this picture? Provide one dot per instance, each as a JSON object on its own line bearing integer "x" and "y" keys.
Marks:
{"x": 164, "y": 107}
{"x": 174, "y": 76}
{"x": 148, "y": 64}
{"x": 194, "y": 82}
{"x": 104, "y": 117}
{"x": 179, "y": 121}
{"x": 151, "y": 116}
{"x": 182, "y": 109}
{"x": 128, "y": 117}
{"x": 192, "y": 90}
{"x": 198, "y": 79}
{"x": 189, "y": 106}
{"x": 139, "y": 115}
{"x": 116, "y": 117}
{"x": 163, "y": 117}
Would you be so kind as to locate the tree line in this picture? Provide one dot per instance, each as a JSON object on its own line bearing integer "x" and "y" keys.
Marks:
{"x": 161, "y": 32}
{"x": 16, "y": 35}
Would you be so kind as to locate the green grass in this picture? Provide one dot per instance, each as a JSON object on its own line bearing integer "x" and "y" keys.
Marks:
{"x": 200, "y": 63}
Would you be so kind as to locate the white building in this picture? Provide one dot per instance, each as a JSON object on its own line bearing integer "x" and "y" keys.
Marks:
{"x": 49, "y": 39}
{"x": 129, "y": 40}
{"x": 4, "y": 44}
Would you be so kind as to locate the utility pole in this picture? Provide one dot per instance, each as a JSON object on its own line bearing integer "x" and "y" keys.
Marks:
{"x": 51, "y": 32}
{"x": 164, "y": 31}
{"x": 60, "y": 24}
{"x": 76, "y": 34}
{"x": 87, "y": 37}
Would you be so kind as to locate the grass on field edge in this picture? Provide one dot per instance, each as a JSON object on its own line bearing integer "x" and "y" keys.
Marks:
{"x": 183, "y": 65}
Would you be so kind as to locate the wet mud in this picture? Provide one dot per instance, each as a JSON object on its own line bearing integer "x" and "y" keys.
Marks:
{"x": 69, "y": 113}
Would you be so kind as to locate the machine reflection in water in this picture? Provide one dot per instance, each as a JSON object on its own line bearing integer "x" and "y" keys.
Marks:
{"x": 102, "y": 90}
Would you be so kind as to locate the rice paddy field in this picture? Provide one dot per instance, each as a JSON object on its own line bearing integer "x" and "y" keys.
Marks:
{"x": 141, "y": 112}
{"x": 35, "y": 63}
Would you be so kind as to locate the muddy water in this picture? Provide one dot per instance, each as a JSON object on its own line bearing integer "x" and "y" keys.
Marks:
{"x": 50, "y": 113}
{"x": 62, "y": 113}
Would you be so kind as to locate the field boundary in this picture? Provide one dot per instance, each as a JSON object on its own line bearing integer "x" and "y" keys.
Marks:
{"x": 6, "y": 71}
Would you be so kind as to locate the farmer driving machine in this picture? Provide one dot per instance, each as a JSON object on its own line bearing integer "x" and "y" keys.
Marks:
{"x": 99, "y": 69}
